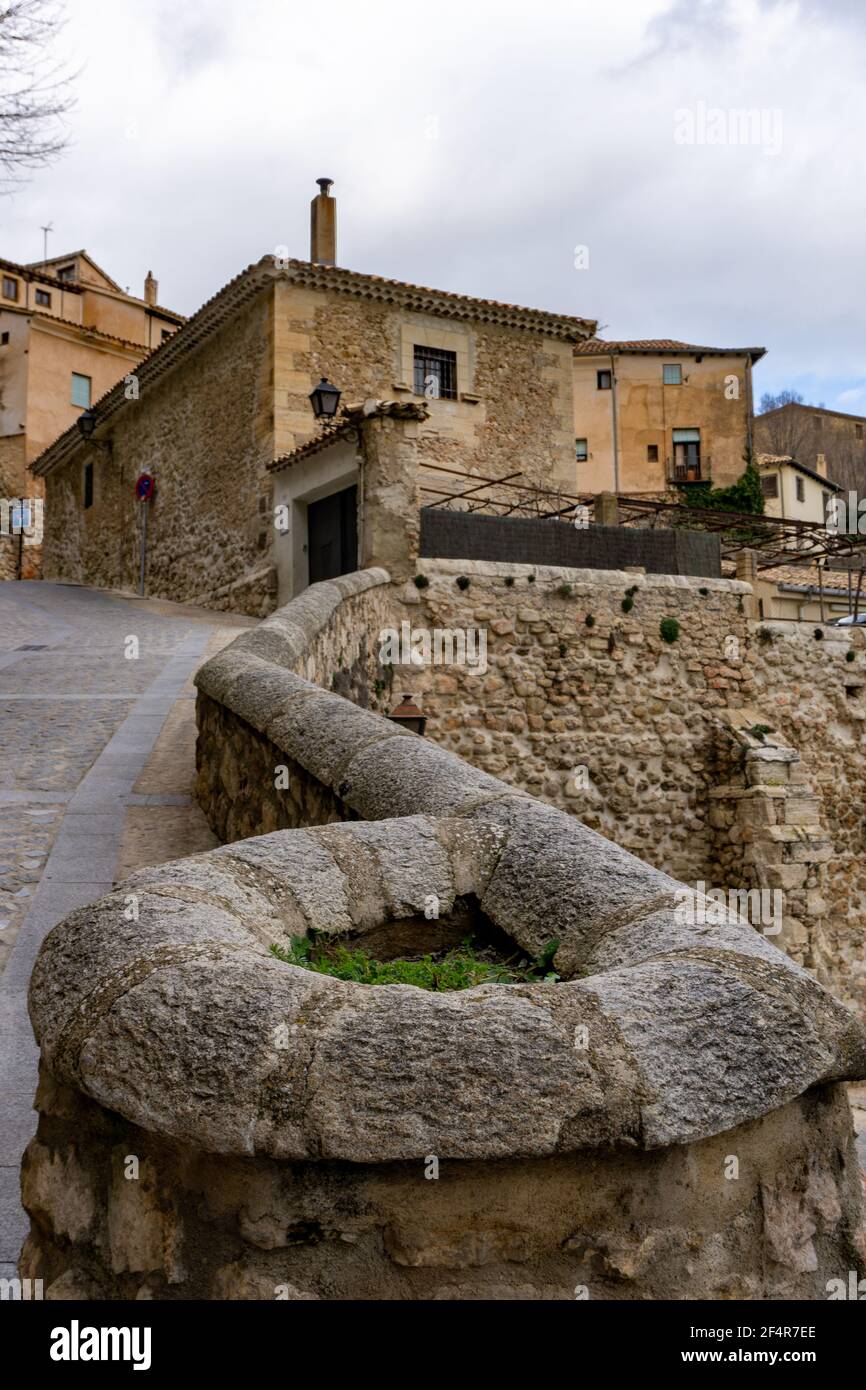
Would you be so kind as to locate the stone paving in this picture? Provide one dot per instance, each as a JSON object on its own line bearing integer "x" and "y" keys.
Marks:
{"x": 81, "y": 708}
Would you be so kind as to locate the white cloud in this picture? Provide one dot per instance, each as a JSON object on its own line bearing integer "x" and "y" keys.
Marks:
{"x": 473, "y": 146}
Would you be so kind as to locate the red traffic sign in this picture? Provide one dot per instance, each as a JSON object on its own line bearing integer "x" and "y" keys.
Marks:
{"x": 145, "y": 487}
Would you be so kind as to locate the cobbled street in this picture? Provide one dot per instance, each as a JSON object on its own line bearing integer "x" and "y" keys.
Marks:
{"x": 97, "y": 734}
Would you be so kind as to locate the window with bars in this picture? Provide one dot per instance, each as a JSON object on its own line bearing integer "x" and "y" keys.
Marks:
{"x": 435, "y": 373}
{"x": 770, "y": 485}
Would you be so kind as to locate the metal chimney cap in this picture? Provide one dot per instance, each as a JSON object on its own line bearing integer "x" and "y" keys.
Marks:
{"x": 324, "y": 185}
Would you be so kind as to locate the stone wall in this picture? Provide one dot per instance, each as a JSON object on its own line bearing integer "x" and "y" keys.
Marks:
{"x": 586, "y": 705}
{"x": 643, "y": 740}
{"x": 814, "y": 698}
{"x": 195, "y": 1224}
{"x": 205, "y": 432}
{"x": 215, "y": 1123}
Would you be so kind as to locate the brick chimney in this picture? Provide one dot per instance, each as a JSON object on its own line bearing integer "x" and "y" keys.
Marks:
{"x": 323, "y": 225}
{"x": 151, "y": 288}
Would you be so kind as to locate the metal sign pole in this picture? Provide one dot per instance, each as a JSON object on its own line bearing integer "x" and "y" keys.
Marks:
{"x": 143, "y": 545}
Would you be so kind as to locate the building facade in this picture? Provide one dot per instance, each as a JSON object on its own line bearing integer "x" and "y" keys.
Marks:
{"x": 655, "y": 413}
{"x": 827, "y": 441}
{"x": 68, "y": 333}
{"x": 228, "y": 395}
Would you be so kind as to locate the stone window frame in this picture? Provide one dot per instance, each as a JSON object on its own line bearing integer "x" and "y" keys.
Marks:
{"x": 416, "y": 330}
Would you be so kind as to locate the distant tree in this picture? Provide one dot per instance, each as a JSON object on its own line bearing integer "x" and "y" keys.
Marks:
{"x": 771, "y": 402}
{"x": 34, "y": 93}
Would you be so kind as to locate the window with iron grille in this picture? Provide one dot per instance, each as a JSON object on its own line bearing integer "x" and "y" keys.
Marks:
{"x": 436, "y": 373}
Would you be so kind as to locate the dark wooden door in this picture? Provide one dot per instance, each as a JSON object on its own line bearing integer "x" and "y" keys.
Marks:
{"x": 332, "y": 535}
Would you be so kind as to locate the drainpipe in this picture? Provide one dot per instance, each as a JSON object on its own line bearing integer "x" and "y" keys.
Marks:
{"x": 749, "y": 404}
{"x": 613, "y": 423}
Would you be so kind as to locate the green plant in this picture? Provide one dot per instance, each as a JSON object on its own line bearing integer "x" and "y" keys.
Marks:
{"x": 703, "y": 592}
{"x": 460, "y": 968}
{"x": 627, "y": 605}
{"x": 462, "y": 581}
{"x": 766, "y": 637}
{"x": 745, "y": 495}
{"x": 589, "y": 620}
{"x": 530, "y": 579}
{"x": 818, "y": 635}
{"x": 563, "y": 649}
{"x": 849, "y": 656}
{"x": 564, "y": 590}
{"x": 760, "y": 731}
{"x": 630, "y": 593}
{"x": 669, "y": 629}
{"x": 421, "y": 581}
{"x": 509, "y": 580}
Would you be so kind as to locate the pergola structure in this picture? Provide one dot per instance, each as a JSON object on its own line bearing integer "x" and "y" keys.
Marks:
{"x": 775, "y": 540}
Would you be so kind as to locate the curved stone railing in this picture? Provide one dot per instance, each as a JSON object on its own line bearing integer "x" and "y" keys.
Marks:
{"x": 659, "y": 1033}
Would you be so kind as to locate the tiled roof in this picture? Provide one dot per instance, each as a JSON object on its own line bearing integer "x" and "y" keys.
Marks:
{"x": 344, "y": 427}
{"x": 218, "y": 310}
{"x": 810, "y": 410}
{"x": 28, "y": 273}
{"x": 777, "y": 460}
{"x": 804, "y": 576}
{"x": 598, "y": 347}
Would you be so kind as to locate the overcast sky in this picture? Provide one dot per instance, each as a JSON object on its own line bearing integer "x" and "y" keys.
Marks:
{"x": 475, "y": 144}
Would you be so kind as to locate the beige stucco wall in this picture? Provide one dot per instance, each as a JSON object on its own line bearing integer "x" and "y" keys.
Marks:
{"x": 54, "y": 354}
{"x": 813, "y": 506}
{"x": 647, "y": 412}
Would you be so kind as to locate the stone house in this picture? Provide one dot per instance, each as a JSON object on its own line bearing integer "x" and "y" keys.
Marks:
{"x": 68, "y": 333}
{"x": 655, "y": 412}
{"x": 489, "y": 384}
{"x": 827, "y": 441}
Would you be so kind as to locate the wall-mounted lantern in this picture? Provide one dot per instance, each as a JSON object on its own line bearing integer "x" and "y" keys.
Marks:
{"x": 324, "y": 399}
{"x": 409, "y": 715}
{"x": 86, "y": 423}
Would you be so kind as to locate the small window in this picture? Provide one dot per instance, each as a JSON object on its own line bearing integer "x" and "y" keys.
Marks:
{"x": 603, "y": 380}
{"x": 770, "y": 485}
{"x": 88, "y": 485}
{"x": 81, "y": 390}
{"x": 652, "y": 453}
{"x": 672, "y": 374}
{"x": 43, "y": 298}
{"x": 66, "y": 272}
{"x": 801, "y": 490}
{"x": 436, "y": 374}
{"x": 10, "y": 287}
{"x": 580, "y": 450}
{"x": 858, "y": 431}
{"x": 4, "y": 339}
